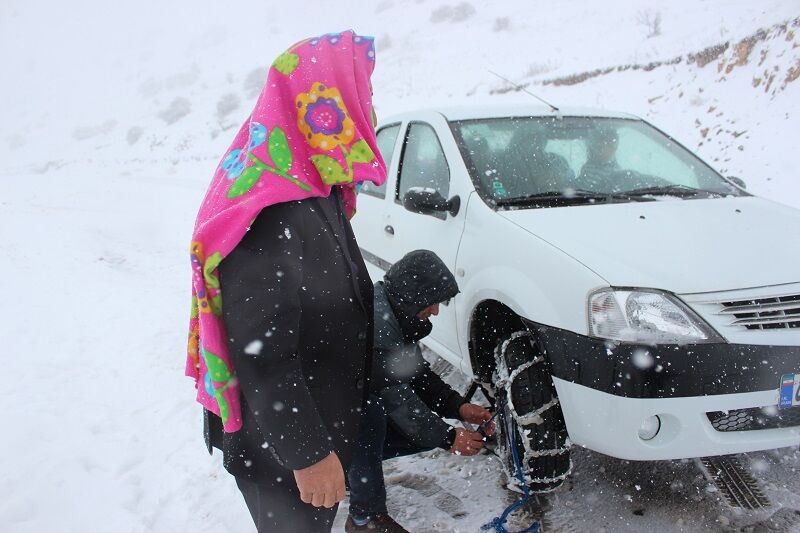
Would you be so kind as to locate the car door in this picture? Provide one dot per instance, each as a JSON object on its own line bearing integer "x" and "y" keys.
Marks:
{"x": 430, "y": 158}
{"x": 369, "y": 224}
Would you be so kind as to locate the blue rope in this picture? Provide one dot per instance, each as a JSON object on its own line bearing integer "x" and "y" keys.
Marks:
{"x": 498, "y": 523}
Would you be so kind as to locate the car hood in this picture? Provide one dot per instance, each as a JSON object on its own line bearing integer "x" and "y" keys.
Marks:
{"x": 683, "y": 246}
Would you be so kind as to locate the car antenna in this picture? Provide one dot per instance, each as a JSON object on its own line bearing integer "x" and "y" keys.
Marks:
{"x": 523, "y": 89}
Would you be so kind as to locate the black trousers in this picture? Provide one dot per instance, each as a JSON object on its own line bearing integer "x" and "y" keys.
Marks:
{"x": 277, "y": 508}
{"x": 377, "y": 440}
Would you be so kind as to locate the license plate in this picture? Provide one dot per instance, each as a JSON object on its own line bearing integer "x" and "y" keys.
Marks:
{"x": 790, "y": 391}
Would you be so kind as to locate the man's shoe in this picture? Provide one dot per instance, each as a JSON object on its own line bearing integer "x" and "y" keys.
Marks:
{"x": 382, "y": 523}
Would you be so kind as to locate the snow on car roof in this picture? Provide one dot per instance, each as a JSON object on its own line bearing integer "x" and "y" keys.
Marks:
{"x": 508, "y": 110}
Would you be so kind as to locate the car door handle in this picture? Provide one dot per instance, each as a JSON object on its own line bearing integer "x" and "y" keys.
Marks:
{"x": 389, "y": 229}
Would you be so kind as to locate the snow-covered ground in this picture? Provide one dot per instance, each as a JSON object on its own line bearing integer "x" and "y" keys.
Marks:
{"x": 113, "y": 118}
{"x": 436, "y": 491}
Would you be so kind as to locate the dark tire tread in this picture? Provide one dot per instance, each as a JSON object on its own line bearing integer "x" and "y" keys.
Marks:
{"x": 530, "y": 390}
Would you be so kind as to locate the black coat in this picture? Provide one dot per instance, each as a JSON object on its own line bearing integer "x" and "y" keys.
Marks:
{"x": 297, "y": 284}
{"x": 415, "y": 397}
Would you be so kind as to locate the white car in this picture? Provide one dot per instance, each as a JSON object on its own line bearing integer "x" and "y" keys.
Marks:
{"x": 638, "y": 300}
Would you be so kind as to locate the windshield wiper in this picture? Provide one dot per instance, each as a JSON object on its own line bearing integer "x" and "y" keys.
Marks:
{"x": 682, "y": 191}
{"x": 565, "y": 197}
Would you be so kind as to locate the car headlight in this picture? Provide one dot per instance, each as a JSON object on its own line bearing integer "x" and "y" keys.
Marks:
{"x": 644, "y": 315}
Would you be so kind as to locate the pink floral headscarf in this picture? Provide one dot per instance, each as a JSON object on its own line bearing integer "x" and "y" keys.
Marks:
{"x": 311, "y": 129}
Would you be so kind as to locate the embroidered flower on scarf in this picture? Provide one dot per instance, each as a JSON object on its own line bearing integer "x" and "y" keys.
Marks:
{"x": 323, "y": 118}
{"x": 233, "y": 163}
{"x": 258, "y": 134}
{"x": 217, "y": 380}
{"x": 208, "y": 298}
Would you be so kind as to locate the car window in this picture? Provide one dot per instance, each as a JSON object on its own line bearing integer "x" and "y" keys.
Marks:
{"x": 519, "y": 156}
{"x": 387, "y": 138}
{"x": 424, "y": 163}
{"x": 573, "y": 151}
{"x": 639, "y": 153}
{"x": 511, "y": 159}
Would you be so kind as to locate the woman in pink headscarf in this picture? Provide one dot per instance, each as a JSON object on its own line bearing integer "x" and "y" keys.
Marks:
{"x": 281, "y": 327}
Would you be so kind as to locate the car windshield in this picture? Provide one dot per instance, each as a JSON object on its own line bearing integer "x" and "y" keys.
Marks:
{"x": 544, "y": 161}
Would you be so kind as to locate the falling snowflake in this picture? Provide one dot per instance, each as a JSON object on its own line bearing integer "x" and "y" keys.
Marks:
{"x": 254, "y": 348}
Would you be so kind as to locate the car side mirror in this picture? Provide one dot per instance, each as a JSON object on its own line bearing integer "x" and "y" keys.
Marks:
{"x": 428, "y": 201}
{"x": 737, "y": 181}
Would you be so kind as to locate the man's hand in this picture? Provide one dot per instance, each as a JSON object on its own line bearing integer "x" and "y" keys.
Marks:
{"x": 321, "y": 484}
{"x": 467, "y": 442}
{"x": 475, "y": 414}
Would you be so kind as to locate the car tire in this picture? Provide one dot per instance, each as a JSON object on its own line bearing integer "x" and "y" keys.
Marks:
{"x": 533, "y": 415}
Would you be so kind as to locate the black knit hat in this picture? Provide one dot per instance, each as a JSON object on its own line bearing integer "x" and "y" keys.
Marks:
{"x": 418, "y": 280}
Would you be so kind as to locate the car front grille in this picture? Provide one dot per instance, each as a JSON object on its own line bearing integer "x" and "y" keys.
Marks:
{"x": 754, "y": 418}
{"x": 777, "y": 312}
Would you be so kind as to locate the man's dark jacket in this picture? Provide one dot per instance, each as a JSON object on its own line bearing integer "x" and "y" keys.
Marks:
{"x": 415, "y": 397}
{"x": 297, "y": 306}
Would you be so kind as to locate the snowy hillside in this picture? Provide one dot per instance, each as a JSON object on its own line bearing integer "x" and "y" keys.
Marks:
{"x": 127, "y": 90}
{"x": 113, "y": 118}
{"x": 736, "y": 102}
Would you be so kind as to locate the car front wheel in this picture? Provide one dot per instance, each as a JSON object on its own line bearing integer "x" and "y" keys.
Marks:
{"x": 530, "y": 417}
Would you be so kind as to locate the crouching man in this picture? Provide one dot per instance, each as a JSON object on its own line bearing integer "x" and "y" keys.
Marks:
{"x": 407, "y": 399}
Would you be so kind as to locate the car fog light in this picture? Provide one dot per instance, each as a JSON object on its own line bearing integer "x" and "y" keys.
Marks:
{"x": 649, "y": 427}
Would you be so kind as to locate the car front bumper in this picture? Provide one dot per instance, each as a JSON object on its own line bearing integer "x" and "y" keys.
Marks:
{"x": 711, "y": 399}
{"x": 609, "y": 424}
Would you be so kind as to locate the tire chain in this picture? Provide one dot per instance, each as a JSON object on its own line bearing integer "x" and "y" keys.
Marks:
{"x": 505, "y": 380}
